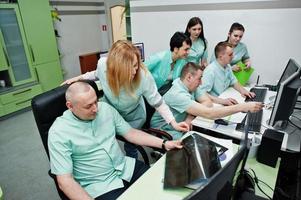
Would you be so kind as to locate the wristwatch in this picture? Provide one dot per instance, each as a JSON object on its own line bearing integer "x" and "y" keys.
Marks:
{"x": 163, "y": 145}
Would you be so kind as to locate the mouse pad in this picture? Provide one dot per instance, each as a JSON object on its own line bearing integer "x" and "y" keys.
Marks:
{"x": 197, "y": 161}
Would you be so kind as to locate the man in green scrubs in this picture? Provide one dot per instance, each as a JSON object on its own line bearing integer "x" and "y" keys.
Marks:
{"x": 166, "y": 66}
{"x": 84, "y": 153}
{"x": 181, "y": 99}
{"x": 218, "y": 76}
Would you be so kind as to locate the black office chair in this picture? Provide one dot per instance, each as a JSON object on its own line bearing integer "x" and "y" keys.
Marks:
{"x": 48, "y": 106}
{"x": 157, "y": 153}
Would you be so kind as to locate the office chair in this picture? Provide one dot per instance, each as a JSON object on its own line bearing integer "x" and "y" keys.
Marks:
{"x": 48, "y": 106}
{"x": 157, "y": 153}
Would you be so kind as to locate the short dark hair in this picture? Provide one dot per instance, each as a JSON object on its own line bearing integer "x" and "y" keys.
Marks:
{"x": 191, "y": 68}
{"x": 176, "y": 41}
{"x": 221, "y": 47}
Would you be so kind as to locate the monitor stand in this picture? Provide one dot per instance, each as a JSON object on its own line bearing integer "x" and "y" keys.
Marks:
{"x": 293, "y": 135}
{"x": 293, "y": 141}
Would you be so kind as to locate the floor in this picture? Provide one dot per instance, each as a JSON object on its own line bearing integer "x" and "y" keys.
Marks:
{"x": 24, "y": 164}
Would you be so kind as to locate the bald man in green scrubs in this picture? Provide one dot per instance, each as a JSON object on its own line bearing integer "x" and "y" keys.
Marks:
{"x": 84, "y": 153}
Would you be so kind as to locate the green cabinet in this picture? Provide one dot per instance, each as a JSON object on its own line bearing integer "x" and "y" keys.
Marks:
{"x": 49, "y": 75}
{"x": 38, "y": 27}
{"x": 14, "y": 46}
{"x": 29, "y": 60}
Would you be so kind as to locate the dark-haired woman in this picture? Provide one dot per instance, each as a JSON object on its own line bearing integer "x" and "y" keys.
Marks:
{"x": 198, "y": 52}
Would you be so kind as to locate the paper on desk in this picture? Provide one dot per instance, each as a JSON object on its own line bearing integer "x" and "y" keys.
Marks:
{"x": 232, "y": 93}
{"x": 236, "y": 118}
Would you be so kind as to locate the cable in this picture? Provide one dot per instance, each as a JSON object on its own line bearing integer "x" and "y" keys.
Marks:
{"x": 294, "y": 124}
{"x": 296, "y": 117}
{"x": 256, "y": 180}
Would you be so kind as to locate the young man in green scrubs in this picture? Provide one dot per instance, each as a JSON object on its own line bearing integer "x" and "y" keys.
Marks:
{"x": 218, "y": 76}
{"x": 84, "y": 153}
{"x": 181, "y": 99}
{"x": 166, "y": 66}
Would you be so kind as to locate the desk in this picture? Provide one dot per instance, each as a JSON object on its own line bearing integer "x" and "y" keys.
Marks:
{"x": 150, "y": 185}
{"x": 201, "y": 124}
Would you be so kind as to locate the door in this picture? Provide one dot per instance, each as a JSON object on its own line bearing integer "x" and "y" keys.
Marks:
{"x": 15, "y": 45}
{"x": 118, "y": 23}
{"x": 3, "y": 54}
{"x": 38, "y": 27}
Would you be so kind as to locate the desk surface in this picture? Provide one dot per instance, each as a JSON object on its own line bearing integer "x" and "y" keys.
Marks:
{"x": 150, "y": 185}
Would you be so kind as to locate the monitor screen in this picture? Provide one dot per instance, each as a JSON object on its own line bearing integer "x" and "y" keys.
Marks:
{"x": 140, "y": 46}
{"x": 289, "y": 70}
{"x": 285, "y": 101}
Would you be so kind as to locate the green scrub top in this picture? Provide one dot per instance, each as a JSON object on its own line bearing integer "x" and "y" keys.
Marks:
{"x": 89, "y": 150}
{"x": 240, "y": 54}
{"x": 130, "y": 107}
{"x": 216, "y": 79}
{"x": 179, "y": 99}
{"x": 197, "y": 52}
{"x": 159, "y": 66}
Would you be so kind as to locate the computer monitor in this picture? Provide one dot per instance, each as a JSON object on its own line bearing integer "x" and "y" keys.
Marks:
{"x": 291, "y": 68}
{"x": 140, "y": 46}
{"x": 285, "y": 101}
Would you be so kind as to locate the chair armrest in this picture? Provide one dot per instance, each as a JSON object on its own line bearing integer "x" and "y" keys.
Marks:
{"x": 158, "y": 133}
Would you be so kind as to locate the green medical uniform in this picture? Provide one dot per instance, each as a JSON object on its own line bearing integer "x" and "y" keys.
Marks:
{"x": 179, "y": 99}
{"x": 89, "y": 150}
{"x": 130, "y": 107}
{"x": 159, "y": 65}
{"x": 197, "y": 52}
{"x": 216, "y": 79}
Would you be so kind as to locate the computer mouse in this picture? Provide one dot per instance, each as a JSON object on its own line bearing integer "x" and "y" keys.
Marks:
{"x": 221, "y": 122}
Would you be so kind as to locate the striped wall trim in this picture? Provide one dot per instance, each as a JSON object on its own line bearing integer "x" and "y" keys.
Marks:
{"x": 81, "y": 12}
{"x": 75, "y": 3}
{"x": 221, "y": 6}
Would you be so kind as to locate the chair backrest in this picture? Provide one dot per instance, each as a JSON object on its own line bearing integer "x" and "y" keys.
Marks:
{"x": 46, "y": 108}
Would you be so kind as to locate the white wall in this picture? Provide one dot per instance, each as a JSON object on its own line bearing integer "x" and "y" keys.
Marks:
{"x": 81, "y": 32}
{"x": 272, "y": 28}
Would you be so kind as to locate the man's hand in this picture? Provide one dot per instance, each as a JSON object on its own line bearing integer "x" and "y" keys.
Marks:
{"x": 72, "y": 80}
{"x": 182, "y": 126}
{"x": 253, "y": 106}
{"x": 229, "y": 102}
{"x": 235, "y": 68}
{"x": 175, "y": 144}
{"x": 247, "y": 93}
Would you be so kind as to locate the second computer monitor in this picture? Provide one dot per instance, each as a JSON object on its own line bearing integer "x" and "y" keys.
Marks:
{"x": 291, "y": 68}
{"x": 285, "y": 101}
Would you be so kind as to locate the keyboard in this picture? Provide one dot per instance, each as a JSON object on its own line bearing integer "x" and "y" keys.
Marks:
{"x": 254, "y": 123}
{"x": 260, "y": 94}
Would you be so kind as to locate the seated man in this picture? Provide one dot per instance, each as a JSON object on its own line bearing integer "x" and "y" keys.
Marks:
{"x": 182, "y": 102}
{"x": 166, "y": 66}
{"x": 84, "y": 153}
{"x": 218, "y": 76}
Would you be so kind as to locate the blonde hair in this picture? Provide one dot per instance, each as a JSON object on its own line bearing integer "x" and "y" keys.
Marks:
{"x": 120, "y": 65}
